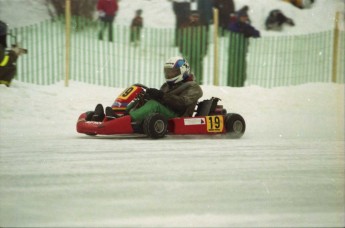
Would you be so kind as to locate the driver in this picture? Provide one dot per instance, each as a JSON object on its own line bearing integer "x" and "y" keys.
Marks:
{"x": 177, "y": 97}
{"x": 8, "y": 58}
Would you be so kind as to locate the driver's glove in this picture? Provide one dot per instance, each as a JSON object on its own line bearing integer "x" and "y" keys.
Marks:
{"x": 155, "y": 94}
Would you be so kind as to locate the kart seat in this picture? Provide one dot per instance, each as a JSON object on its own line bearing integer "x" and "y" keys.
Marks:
{"x": 207, "y": 107}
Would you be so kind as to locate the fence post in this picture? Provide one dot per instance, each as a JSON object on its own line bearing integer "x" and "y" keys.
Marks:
{"x": 335, "y": 47}
{"x": 215, "y": 41}
{"x": 68, "y": 39}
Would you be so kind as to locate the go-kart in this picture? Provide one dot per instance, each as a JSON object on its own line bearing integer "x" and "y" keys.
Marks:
{"x": 209, "y": 118}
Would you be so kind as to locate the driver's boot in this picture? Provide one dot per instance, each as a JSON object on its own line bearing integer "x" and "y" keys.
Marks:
{"x": 98, "y": 114}
{"x": 110, "y": 113}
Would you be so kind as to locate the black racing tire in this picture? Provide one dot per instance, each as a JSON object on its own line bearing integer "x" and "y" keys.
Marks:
{"x": 155, "y": 126}
{"x": 235, "y": 125}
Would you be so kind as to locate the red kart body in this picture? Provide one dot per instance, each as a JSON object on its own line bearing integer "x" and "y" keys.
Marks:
{"x": 180, "y": 125}
{"x": 209, "y": 118}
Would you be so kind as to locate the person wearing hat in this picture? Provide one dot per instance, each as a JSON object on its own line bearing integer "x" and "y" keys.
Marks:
{"x": 276, "y": 19}
{"x": 136, "y": 26}
{"x": 193, "y": 42}
{"x": 242, "y": 24}
{"x": 8, "y": 58}
{"x": 225, "y": 8}
{"x": 181, "y": 9}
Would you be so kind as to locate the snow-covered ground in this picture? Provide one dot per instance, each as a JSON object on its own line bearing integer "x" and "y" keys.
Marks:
{"x": 287, "y": 170}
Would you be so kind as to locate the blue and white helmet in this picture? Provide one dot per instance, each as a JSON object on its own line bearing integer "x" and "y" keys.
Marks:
{"x": 176, "y": 69}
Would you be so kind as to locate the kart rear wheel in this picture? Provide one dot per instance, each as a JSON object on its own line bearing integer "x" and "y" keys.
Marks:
{"x": 235, "y": 125}
{"x": 155, "y": 126}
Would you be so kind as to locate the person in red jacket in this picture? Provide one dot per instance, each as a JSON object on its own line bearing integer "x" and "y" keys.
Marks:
{"x": 107, "y": 10}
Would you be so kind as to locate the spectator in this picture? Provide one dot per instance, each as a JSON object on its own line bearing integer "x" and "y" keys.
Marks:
{"x": 107, "y": 10}
{"x": 136, "y": 26}
{"x": 243, "y": 11}
{"x": 206, "y": 11}
{"x": 181, "y": 9}
{"x": 8, "y": 58}
{"x": 242, "y": 24}
{"x": 193, "y": 43}
{"x": 276, "y": 19}
{"x": 238, "y": 47}
{"x": 225, "y": 9}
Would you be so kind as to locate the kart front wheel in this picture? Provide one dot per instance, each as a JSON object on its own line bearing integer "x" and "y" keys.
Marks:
{"x": 155, "y": 126}
{"x": 235, "y": 125}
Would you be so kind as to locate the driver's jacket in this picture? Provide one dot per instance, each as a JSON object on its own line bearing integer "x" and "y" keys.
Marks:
{"x": 182, "y": 97}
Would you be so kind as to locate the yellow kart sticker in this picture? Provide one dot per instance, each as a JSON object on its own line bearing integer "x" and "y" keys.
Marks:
{"x": 125, "y": 94}
{"x": 214, "y": 123}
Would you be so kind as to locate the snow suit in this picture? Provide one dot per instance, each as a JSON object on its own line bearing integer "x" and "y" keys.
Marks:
{"x": 178, "y": 100}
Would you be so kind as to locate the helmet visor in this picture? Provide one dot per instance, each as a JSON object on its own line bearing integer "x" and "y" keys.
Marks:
{"x": 171, "y": 72}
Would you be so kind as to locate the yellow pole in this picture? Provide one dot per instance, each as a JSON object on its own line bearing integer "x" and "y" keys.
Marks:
{"x": 68, "y": 40}
{"x": 215, "y": 38}
{"x": 335, "y": 47}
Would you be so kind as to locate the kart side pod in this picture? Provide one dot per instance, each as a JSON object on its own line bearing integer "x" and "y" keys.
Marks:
{"x": 157, "y": 126}
{"x": 209, "y": 118}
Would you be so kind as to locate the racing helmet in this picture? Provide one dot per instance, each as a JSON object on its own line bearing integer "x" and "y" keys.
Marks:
{"x": 176, "y": 69}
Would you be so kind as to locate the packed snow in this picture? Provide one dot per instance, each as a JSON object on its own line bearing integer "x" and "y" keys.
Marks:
{"x": 286, "y": 171}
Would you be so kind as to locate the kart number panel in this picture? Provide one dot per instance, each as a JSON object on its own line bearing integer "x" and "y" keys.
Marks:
{"x": 197, "y": 125}
{"x": 215, "y": 123}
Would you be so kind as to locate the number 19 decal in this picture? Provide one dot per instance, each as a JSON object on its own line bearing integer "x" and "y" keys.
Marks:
{"x": 214, "y": 123}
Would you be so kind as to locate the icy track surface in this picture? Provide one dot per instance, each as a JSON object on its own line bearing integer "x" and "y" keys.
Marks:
{"x": 287, "y": 170}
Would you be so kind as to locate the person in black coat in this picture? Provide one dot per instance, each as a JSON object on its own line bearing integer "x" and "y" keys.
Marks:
{"x": 276, "y": 19}
{"x": 181, "y": 10}
{"x": 193, "y": 43}
{"x": 205, "y": 7}
{"x": 8, "y": 58}
{"x": 238, "y": 46}
{"x": 225, "y": 8}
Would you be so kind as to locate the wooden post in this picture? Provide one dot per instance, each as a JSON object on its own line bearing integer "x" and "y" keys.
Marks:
{"x": 335, "y": 47}
{"x": 68, "y": 40}
{"x": 215, "y": 50}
